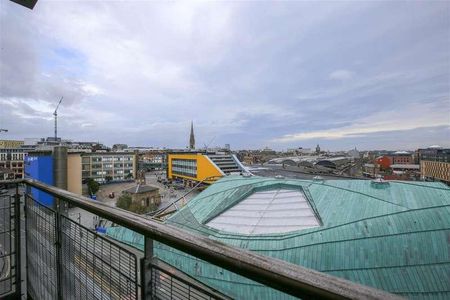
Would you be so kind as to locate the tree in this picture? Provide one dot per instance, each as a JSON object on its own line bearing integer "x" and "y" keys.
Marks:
{"x": 93, "y": 186}
{"x": 108, "y": 179}
{"x": 129, "y": 176}
{"x": 124, "y": 202}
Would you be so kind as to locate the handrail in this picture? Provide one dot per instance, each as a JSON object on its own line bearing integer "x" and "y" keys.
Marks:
{"x": 278, "y": 274}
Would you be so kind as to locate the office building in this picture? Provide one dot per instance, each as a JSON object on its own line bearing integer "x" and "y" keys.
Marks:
{"x": 107, "y": 166}
{"x": 435, "y": 164}
{"x": 152, "y": 160}
{"x": 194, "y": 167}
{"x": 72, "y": 169}
{"x": 13, "y": 159}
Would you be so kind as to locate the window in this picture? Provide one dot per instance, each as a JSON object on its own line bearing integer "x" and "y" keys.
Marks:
{"x": 186, "y": 167}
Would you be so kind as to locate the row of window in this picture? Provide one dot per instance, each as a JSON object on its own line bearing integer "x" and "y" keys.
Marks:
{"x": 11, "y": 156}
{"x": 187, "y": 163}
{"x": 439, "y": 158}
{"x": 11, "y": 164}
{"x": 107, "y": 166}
{"x": 108, "y": 159}
{"x": 186, "y": 167}
{"x": 120, "y": 173}
{"x": 102, "y": 180}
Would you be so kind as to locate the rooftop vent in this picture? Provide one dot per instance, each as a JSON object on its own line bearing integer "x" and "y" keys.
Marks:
{"x": 379, "y": 183}
{"x": 318, "y": 178}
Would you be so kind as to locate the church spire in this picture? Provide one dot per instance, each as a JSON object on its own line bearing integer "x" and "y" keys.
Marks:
{"x": 192, "y": 138}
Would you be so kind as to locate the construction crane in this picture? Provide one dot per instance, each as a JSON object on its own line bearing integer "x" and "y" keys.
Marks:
{"x": 56, "y": 119}
{"x": 209, "y": 143}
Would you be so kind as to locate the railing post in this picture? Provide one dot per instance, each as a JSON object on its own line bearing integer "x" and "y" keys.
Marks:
{"x": 17, "y": 240}
{"x": 146, "y": 270}
{"x": 58, "y": 241}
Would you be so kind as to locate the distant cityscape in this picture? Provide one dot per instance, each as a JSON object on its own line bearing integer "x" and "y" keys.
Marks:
{"x": 93, "y": 160}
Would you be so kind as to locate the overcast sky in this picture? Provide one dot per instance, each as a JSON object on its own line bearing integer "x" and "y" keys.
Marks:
{"x": 371, "y": 75}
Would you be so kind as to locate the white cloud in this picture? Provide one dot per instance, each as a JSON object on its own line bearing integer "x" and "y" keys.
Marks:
{"x": 341, "y": 75}
{"x": 411, "y": 117}
{"x": 91, "y": 89}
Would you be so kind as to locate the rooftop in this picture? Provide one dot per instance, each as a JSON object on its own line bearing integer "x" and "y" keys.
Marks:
{"x": 138, "y": 189}
{"x": 369, "y": 235}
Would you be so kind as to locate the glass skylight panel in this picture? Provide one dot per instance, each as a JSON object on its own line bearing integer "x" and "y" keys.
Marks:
{"x": 274, "y": 211}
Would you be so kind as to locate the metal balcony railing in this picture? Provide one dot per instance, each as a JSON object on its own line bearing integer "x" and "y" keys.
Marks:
{"x": 61, "y": 258}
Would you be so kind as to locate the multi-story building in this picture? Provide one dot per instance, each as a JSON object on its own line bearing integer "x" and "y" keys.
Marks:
{"x": 402, "y": 158}
{"x": 10, "y": 144}
{"x": 152, "y": 160}
{"x": 193, "y": 167}
{"x": 73, "y": 169}
{"x": 106, "y": 166}
{"x": 435, "y": 164}
{"x": 12, "y": 159}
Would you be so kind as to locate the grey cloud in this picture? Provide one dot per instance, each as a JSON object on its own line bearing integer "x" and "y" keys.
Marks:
{"x": 245, "y": 73}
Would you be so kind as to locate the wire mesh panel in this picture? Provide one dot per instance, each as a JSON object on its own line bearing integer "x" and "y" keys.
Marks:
{"x": 7, "y": 251}
{"x": 41, "y": 250}
{"x": 94, "y": 267}
{"x": 167, "y": 286}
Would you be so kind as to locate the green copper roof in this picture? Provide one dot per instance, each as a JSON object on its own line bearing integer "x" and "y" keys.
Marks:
{"x": 391, "y": 236}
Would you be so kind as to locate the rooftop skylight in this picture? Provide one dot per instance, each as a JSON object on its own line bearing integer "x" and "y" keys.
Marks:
{"x": 275, "y": 211}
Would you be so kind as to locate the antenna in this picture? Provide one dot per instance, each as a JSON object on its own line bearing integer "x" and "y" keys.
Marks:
{"x": 56, "y": 118}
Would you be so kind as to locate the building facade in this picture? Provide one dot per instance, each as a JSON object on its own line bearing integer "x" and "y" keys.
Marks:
{"x": 144, "y": 195}
{"x": 105, "y": 167}
{"x": 435, "y": 164}
{"x": 402, "y": 158}
{"x": 192, "y": 168}
{"x": 40, "y": 165}
{"x": 13, "y": 159}
{"x": 435, "y": 170}
{"x": 152, "y": 160}
{"x": 75, "y": 168}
